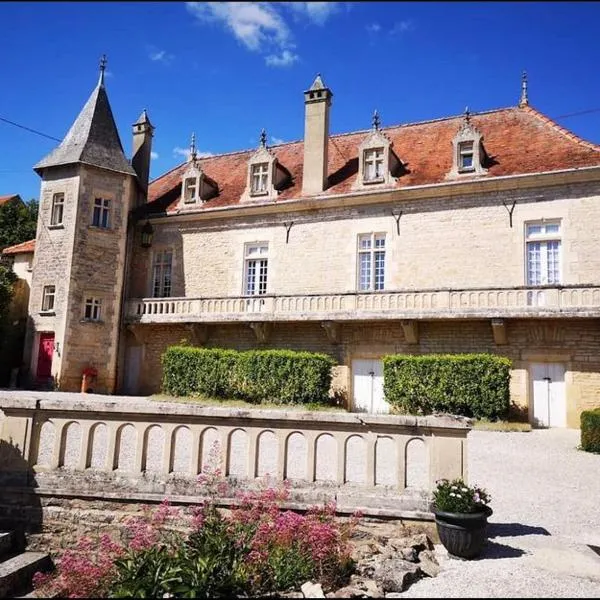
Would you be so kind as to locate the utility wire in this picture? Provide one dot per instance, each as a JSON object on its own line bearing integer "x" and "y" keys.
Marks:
{"x": 29, "y": 129}
{"x": 581, "y": 112}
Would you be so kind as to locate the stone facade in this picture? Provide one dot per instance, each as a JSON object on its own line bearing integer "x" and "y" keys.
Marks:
{"x": 455, "y": 266}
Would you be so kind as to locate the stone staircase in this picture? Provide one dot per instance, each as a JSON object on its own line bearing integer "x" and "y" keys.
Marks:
{"x": 17, "y": 567}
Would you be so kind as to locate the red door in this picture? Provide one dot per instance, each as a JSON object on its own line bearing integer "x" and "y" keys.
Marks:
{"x": 46, "y": 350}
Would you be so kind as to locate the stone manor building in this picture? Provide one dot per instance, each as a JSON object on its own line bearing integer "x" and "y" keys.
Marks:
{"x": 471, "y": 233}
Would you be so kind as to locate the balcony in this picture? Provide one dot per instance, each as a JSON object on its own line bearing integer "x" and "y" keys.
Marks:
{"x": 571, "y": 301}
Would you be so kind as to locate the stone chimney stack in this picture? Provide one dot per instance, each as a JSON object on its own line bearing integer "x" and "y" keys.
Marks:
{"x": 142, "y": 148}
{"x": 317, "y": 102}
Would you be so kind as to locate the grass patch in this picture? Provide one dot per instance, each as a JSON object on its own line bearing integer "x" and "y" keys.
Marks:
{"x": 230, "y": 403}
{"x": 485, "y": 425}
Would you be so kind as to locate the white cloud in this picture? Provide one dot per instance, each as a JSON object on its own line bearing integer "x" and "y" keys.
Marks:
{"x": 263, "y": 26}
{"x": 285, "y": 59}
{"x": 177, "y": 151}
{"x": 317, "y": 12}
{"x": 373, "y": 28}
{"x": 276, "y": 140}
{"x": 108, "y": 74}
{"x": 161, "y": 56}
{"x": 255, "y": 24}
{"x": 401, "y": 27}
{"x": 153, "y": 155}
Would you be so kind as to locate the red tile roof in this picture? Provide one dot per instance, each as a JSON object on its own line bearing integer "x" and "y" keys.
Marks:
{"x": 518, "y": 140}
{"x": 5, "y": 199}
{"x": 21, "y": 248}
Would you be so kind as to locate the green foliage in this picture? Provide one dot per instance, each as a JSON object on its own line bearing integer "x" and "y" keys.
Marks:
{"x": 7, "y": 279}
{"x": 458, "y": 497}
{"x": 474, "y": 385}
{"x": 590, "y": 430}
{"x": 281, "y": 376}
{"x": 18, "y": 222}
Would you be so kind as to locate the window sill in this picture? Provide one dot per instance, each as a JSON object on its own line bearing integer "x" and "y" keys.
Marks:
{"x": 47, "y": 313}
{"x": 467, "y": 170}
{"x": 255, "y": 194}
{"x": 370, "y": 181}
{"x": 102, "y": 229}
{"x": 57, "y": 226}
{"x": 92, "y": 321}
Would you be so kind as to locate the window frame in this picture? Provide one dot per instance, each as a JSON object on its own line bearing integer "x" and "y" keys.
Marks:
{"x": 94, "y": 303}
{"x": 161, "y": 275}
{"x": 372, "y": 251}
{"x": 58, "y": 202}
{"x": 378, "y": 153}
{"x": 193, "y": 199}
{"x": 102, "y": 207}
{"x": 544, "y": 238}
{"x": 264, "y": 172}
{"x": 260, "y": 280}
{"x": 466, "y": 148}
{"x": 48, "y": 297}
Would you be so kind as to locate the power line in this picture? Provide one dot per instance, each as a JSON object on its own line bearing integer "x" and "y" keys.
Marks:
{"x": 29, "y": 129}
{"x": 581, "y": 112}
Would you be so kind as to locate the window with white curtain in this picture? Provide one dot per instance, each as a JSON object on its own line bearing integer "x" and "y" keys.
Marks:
{"x": 543, "y": 253}
{"x": 256, "y": 268}
{"x": 371, "y": 261}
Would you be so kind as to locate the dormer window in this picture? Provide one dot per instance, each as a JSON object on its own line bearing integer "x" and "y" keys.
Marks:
{"x": 465, "y": 150}
{"x": 469, "y": 153}
{"x": 190, "y": 193}
{"x": 196, "y": 186}
{"x": 260, "y": 179}
{"x": 377, "y": 162}
{"x": 373, "y": 165}
{"x": 266, "y": 176}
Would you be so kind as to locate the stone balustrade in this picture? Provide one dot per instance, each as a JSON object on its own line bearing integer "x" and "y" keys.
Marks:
{"x": 124, "y": 447}
{"x": 475, "y": 303}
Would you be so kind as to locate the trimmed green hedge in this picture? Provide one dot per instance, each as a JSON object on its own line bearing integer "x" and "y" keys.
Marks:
{"x": 590, "y": 430}
{"x": 474, "y": 385}
{"x": 281, "y": 376}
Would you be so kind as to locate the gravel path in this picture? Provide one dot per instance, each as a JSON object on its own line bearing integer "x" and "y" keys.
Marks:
{"x": 546, "y": 501}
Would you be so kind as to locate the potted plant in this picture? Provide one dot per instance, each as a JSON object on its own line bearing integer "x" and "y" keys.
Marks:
{"x": 461, "y": 513}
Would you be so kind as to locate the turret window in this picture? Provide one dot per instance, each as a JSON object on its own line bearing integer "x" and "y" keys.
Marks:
{"x": 58, "y": 203}
{"x": 373, "y": 164}
{"x": 92, "y": 309}
{"x": 101, "y": 214}
{"x": 260, "y": 178}
{"x": 48, "y": 298}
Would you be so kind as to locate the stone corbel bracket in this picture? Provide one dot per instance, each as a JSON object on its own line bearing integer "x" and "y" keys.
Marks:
{"x": 333, "y": 331}
{"x": 141, "y": 333}
{"x": 499, "y": 332}
{"x": 261, "y": 330}
{"x": 198, "y": 333}
{"x": 411, "y": 331}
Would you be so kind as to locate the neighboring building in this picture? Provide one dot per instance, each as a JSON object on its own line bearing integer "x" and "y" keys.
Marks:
{"x": 20, "y": 256}
{"x": 10, "y": 198}
{"x": 473, "y": 233}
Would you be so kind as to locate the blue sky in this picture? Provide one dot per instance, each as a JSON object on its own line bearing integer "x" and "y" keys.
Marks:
{"x": 226, "y": 70}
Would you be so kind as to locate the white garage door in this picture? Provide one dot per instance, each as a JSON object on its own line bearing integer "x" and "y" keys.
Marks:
{"x": 549, "y": 401}
{"x": 367, "y": 379}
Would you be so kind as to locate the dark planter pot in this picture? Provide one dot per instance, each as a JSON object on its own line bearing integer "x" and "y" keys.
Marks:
{"x": 462, "y": 534}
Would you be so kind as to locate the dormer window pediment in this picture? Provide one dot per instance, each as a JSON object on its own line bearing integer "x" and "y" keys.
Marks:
{"x": 266, "y": 176}
{"x": 196, "y": 186}
{"x": 468, "y": 153}
{"x": 377, "y": 161}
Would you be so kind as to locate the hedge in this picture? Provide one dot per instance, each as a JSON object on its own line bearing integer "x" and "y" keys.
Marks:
{"x": 590, "y": 430}
{"x": 281, "y": 376}
{"x": 474, "y": 385}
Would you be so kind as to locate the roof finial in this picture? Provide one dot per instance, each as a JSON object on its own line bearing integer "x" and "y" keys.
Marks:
{"x": 193, "y": 148}
{"x": 376, "y": 120}
{"x": 103, "y": 62}
{"x": 263, "y": 139}
{"x": 524, "y": 101}
{"x": 467, "y": 114}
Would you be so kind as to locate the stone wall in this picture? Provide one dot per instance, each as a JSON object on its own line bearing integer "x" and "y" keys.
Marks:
{"x": 573, "y": 342}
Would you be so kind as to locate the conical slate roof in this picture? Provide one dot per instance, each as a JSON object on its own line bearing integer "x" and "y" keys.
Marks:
{"x": 93, "y": 138}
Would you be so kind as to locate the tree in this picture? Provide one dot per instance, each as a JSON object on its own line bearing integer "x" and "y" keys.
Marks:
{"x": 7, "y": 278}
{"x": 18, "y": 222}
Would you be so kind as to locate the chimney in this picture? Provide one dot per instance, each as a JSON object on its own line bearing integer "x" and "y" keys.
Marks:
{"x": 142, "y": 147}
{"x": 317, "y": 101}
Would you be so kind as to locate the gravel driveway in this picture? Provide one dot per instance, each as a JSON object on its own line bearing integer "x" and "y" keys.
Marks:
{"x": 546, "y": 501}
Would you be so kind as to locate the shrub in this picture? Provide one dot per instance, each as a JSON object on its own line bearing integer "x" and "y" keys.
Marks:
{"x": 474, "y": 385}
{"x": 254, "y": 550}
{"x": 590, "y": 430}
{"x": 458, "y": 497}
{"x": 256, "y": 375}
